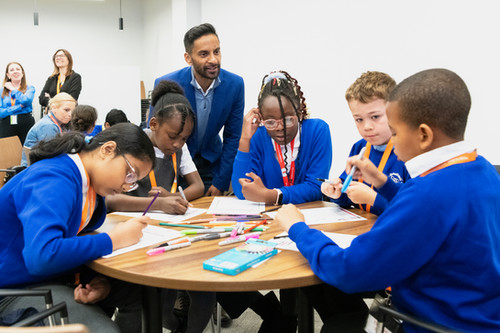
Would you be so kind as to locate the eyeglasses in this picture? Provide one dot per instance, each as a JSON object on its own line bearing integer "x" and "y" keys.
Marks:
{"x": 131, "y": 177}
{"x": 272, "y": 124}
{"x": 60, "y": 56}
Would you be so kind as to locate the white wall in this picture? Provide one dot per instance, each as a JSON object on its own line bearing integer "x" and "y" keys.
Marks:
{"x": 325, "y": 44}
{"x": 108, "y": 59}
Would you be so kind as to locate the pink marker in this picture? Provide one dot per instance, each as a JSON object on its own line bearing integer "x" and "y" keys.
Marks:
{"x": 162, "y": 249}
{"x": 240, "y": 238}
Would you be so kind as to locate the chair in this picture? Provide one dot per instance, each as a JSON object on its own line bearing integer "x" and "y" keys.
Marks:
{"x": 387, "y": 315}
{"x": 11, "y": 149}
{"x": 497, "y": 167}
{"x": 49, "y": 312}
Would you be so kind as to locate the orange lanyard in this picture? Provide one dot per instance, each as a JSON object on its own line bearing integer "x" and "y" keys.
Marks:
{"x": 12, "y": 100}
{"x": 152, "y": 177}
{"x": 286, "y": 180}
{"x": 381, "y": 165}
{"x": 59, "y": 83}
{"x": 55, "y": 121}
{"x": 463, "y": 158}
{"x": 89, "y": 206}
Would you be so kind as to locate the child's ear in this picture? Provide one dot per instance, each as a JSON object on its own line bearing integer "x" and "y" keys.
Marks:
{"x": 425, "y": 137}
{"x": 153, "y": 124}
{"x": 108, "y": 149}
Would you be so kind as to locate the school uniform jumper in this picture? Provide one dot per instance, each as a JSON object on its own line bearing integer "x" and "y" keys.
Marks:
{"x": 396, "y": 175}
{"x": 437, "y": 245}
{"x": 41, "y": 213}
{"x": 22, "y": 108}
{"x": 313, "y": 161}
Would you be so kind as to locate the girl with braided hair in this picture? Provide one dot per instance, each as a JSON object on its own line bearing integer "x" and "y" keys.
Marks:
{"x": 281, "y": 152}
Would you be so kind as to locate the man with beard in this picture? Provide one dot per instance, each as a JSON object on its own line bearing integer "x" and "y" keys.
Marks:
{"x": 217, "y": 98}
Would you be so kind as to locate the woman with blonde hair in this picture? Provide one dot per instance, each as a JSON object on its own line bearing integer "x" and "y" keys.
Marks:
{"x": 53, "y": 123}
{"x": 62, "y": 79}
{"x": 16, "y": 103}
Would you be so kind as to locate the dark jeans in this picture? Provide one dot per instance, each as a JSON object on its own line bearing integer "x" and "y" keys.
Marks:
{"x": 24, "y": 123}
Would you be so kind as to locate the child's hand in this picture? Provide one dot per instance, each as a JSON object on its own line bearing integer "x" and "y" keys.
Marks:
{"x": 367, "y": 170}
{"x": 173, "y": 205}
{"x": 332, "y": 190}
{"x": 163, "y": 192}
{"x": 288, "y": 215}
{"x": 128, "y": 233}
{"x": 255, "y": 190}
{"x": 360, "y": 193}
{"x": 251, "y": 122}
{"x": 96, "y": 290}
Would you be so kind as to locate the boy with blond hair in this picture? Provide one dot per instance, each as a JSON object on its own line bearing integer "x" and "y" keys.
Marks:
{"x": 366, "y": 100}
{"x": 438, "y": 242}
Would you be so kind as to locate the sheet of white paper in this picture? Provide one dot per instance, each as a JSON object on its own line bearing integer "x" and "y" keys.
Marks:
{"x": 342, "y": 240}
{"x": 322, "y": 215}
{"x": 235, "y": 206}
{"x": 159, "y": 215}
{"x": 150, "y": 235}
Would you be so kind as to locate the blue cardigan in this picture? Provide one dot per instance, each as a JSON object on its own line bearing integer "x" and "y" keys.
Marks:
{"x": 227, "y": 111}
{"x": 437, "y": 245}
{"x": 41, "y": 213}
{"x": 314, "y": 161}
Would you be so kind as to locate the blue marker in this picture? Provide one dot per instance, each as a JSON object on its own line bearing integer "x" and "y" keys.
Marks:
{"x": 353, "y": 170}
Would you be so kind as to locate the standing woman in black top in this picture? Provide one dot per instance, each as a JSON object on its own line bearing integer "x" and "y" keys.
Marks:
{"x": 63, "y": 79}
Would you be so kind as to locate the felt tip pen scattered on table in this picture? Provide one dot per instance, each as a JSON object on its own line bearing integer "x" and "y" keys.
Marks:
{"x": 202, "y": 231}
{"x": 255, "y": 226}
{"x": 182, "y": 193}
{"x": 175, "y": 241}
{"x": 328, "y": 181}
{"x": 213, "y": 236}
{"x": 151, "y": 203}
{"x": 183, "y": 225}
{"x": 240, "y": 238}
{"x": 353, "y": 170}
{"x": 162, "y": 249}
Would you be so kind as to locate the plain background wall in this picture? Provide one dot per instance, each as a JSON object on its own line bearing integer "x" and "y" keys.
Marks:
{"x": 325, "y": 44}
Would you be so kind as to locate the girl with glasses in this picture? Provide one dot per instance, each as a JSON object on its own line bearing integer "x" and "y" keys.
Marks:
{"x": 48, "y": 208}
{"x": 281, "y": 152}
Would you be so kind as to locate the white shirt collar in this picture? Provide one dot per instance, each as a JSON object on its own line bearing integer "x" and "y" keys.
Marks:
{"x": 426, "y": 161}
{"x": 78, "y": 161}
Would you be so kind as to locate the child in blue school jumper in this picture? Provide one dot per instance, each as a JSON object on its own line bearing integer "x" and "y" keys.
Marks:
{"x": 48, "y": 208}
{"x": 366, "y": 100}
{"x": 171, "y": 124}
{"x": 437, "y": 244}
{"x": 280, "y": 155}
{"x": 281, "y": 152}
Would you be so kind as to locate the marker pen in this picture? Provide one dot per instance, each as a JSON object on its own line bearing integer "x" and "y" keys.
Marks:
{"x": 353, "y": 170}
{"x": 240, "y": 238}
{"x": 203, "y": 231}
{"x": 175, "y": 241}
{"x": 162, "y": 249}
{"x": 325, "y": 180}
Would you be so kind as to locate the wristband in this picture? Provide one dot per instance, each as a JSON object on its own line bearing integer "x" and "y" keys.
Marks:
{"x": 279, "y": 198}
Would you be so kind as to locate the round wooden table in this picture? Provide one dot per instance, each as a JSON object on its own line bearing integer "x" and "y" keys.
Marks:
{"x": 183, "y": 268}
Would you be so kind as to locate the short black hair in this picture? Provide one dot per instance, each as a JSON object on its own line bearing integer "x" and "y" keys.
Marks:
{"x": 196, "y": 32}
{"x": 116, "y": 116}
{"x": 437, "y": 97}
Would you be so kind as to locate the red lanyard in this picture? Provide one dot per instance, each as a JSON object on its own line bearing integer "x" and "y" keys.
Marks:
{"x": 463, "y": 158}
{"x": 55, "y": 122}
{"x": 286, "y": 180}
{"x": 381, "y": 165}
{"x": 152, "y": 177}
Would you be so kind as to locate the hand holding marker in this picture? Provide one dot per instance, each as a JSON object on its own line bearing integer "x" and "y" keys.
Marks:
{"x": 353, "y": 170}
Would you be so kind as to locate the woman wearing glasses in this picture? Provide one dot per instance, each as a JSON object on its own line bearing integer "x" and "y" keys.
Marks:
{"x": 281, "y": 153}
{"x": 62, "y": 79}
{"x": 48, "y": 208}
